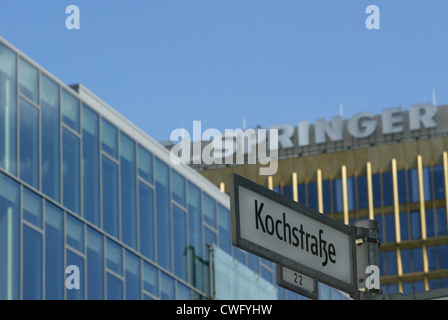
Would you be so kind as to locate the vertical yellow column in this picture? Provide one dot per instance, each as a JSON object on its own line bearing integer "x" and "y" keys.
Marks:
{"x": 396, "y": 201}
{"x": 421, "y": 194}
{"x": 370, "y": 190}
{"x": 222, "y": 187}
{"x": 320, "y": 198}
{"x": 271, "y": 182}
{"x": 295, "y": 192}
{"x": 344, "y": 193}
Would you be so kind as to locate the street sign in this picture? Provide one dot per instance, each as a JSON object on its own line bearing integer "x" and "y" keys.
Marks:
{"x": 297, "y": 282}
{"x": 286, "y": 232}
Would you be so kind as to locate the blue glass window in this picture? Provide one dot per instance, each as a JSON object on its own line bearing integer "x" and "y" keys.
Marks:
{"x": 363, "y": 198}
{"x": 54, "y": 252}
{"x": 71, "y": 171}
{"x": 402, "y": 183}
{"x": 146, "y": 220}
{"x": 128, "y": 192}
{"x": 163, "y": 215}
{"x": 90, "y": 166}
{"x": 74, "y": 259}
{"x": 145, "y": 164}
{"x": 180, "y": 243}
{"x": 150, "y": 279}
{"x": 337, "y": 195}
{"x": 195, "y": 235}
{"x": 439, "y": 182}
{"x": 351, "y": 194}
{"x": 95, "y": 265}
{"x": 224, "y": 228}
{"x": 388, "y": 190}
{"x": 312, "y": 195}
{"x": 109, "y": 138}
{"x": 417, "y": 259}
{"x": 416, "y": 232}
{"x": 430, "y": 223}
{"x": 183, "y": 292}
{"x": 301, "y": 188}
{"x": 32, "y": 207}
{"x": 443, "y": 256}
{"x": 32, "y": 264}
{"x": 28, "y": 80}
{"x": 114, "y": 257}
{"x": 404, "y": 225}
{"x": 50, "y": 137}
{"x": 441, "y": 221}
{"x": 376, "y": 190}
{"x": 427, "y": 183}
{"x": 29, "y": 144}
{"x": 9, "y": 238}
{"x": 390, "y": 227}
{"x": 114, "y": 288}
{"x": 326, "y": 195}
{"x": 75, "y": 233}
{"x": 167, "y": 287}
{"x": 70, "y": 110}
{"x": 8, "y": 121}
{"x": 110, "y": 196}
{"x": 287, "y": 192}
{"x": 413, "y": 185}
{"x": 432, "y": 258}
{"x": 391, "y": 258}
{"x": 209, "y": 210}
{"x": 132, "y": 269}
{"x": 178, "y": 187}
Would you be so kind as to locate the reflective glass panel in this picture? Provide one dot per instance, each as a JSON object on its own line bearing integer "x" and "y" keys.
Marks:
{"x": 145, "y": 164}
{"x": 71, "y": 171}
{"x": 75, "y": 233}
{"x": 109, "y": 138}
{"x": 224, "y": 228}
{"x": 146, "y": 220}
{"x": 167, "y": 287}
{"x": 150, "y": 278}
{"x": 110, "y": 196}
{"x": 28, "y": 80}
{"x": 180, "y": 243}
{"x": 114, "y": 257}
{"x": 74, "y": 259}
{"x": 439, "y": 182}
{"x": 363, "y": 198}
{"x": 70, "y": 110}
{"x": 114, "y": 288}
{"x": 388, "y": 190}
{"x": 32, "y": 264}
{"x": 209, "y": 207}
{"x": 29, "y": 144}
{"x": 195, "y": 235}
{"x": 95, "y": 265}
{"x": 178, "y": 187}
{"x": 32, "y": 207}
{"x": 163, "y": 215}
{"x": 132, "y": 274}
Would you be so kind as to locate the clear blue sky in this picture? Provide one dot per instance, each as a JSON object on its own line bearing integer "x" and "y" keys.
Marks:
{"x": 165, "y": 63}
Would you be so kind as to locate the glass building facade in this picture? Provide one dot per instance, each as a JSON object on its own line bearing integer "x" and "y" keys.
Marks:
{"x": 81, "y": 186}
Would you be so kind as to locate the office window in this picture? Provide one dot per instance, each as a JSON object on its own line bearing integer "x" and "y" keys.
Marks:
{"x": 431, "y": 252}
{"x": 8, "y": 110}
{"x": 287, "y": 192}
{"x": 9, "y": 238}
{"x": 183, "y": 292}
{"x": 351, "y": 194}
{"x": 441, "y": 221}
{"x": 391, "y": 260}
{"x": 163, "y": 215}
{"x": 167, "y": 287}
{"x": 301, "y": 190}
{"x": 32, "y": 264}
{"x": 150, "y": 279}
{"x": 224, "y": 228}
{"x": 90, "y": 166}
{"x": 443, "y": 256}
{"x": 195, "y": 235}
{"x": 128, "y": 192}
{"x": 146, "y": 220}
{"x": 337, "y": 195}
{"x": 70, "y": 110}
{"x": 413, "y": 185}
{"x": 132, "y": 274}
{"x": 417, "y": 259}
{"x": 74, "y": 259}
{"x": 29, "y": 143}
{"x": 28, "y": 80}
{"x": 209, "y": 210}
{"x": 114, "y": 287}
{"x": 312, "y": 195}
{"x": 50, "y": 138}
{"x": 32, "y": 207}
{"x": 114, "y": 257}
{"x": 427, "y": 183}
{"x": 376, "y": 190}
{"x": 54, "y": 252}
{"x": 71, "y": 171}
{"x": 74, "y": 232}
{"x": 145, "y": 164}
{"x": 389, "y": 220}
{"x": 416, "y": 232}
{"x": 363, "y": 198}
{"x": 404, "y": 225}
{"x": 95, "y": 265}
{"x": 402, "y": 187}
{"x": 178, "y": 187}
{"x": 439, "y": 182}
{"x": 326, "y": 195}
{"x": 109, "y": 138}
{"x": 388, "y": 190}
{"x": 179, "y": 243}
{"x": 110, "y": 196}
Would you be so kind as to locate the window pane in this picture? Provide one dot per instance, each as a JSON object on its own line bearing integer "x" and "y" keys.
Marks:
{"x": 337, "y": 195}
{"x": 441, "y": 221}
{"x": 71, "y": 172}
{"x": 388, "y": 191}
{"x": 146, "y": 220}
{"x": 114, "y": 257}
{"x": 50, "y": 137}
{"x": 54, "y": 253}
{"x": 439, "y": 182}
{"x": 95, "y": 265}
{"x": 390, "y": 227}
{"x": 110, "y": 197}
{"x": 75, "y": 233}
{"x": 376, "y": 190}
{"x": 430, "y": 224}
{"x": 70, "y": 110}
{"x": 301, "y": 188}
{"x": 132, "y": 268}
{"x": 413, "y": 185}
{"x": 32, "y": 207}
{"x": 417, "y": 259}
{"x": 28, "y": 80}
{"x": 109, "y": 138}
{"x": 363, "y": 199}
{"x": 29, "y": 144}
{"x": 150, "y": 278}
{"x": 391, "y": 258}
{"x": 9, "y": 238}
{"x": 183, "y": 292}
{"x": 326, "y": 195}
{"x": 32, "y": 264}
{"x": 195, "y": 235}
{"x": 128, "y": 194}
{"x": 75, "y": 260}
{"x": 287, "y": 192}
{"x": 163, "y": 215}
{"x": 178, "y": 183}
{"x": 415, "y": 225}
{"x": 432, "y": 258}
{"x": 443, "y": 256}
{"x": 8, "y": 110}
{"x": 90, "y": 166}
{"x": 351, "y": 194}
{"x": 224, "y": 228}
{"x": 167, "y": 287}
{"x": 427, "y": 183}
{"x": 114, "y": 288}
{"x": 145, "y": 164}
{"x": 179, "y": 243}
{"x": 402, "y": 183}
{"x": 209, "y": 210}
{"x": 404, "y": 225}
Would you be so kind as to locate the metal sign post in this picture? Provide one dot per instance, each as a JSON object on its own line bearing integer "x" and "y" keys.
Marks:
{"x": 296, "y": 237}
